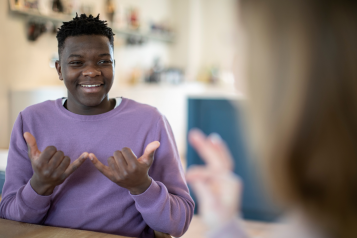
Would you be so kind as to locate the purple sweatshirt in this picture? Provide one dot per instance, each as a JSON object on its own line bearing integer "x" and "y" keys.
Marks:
{"x": 87, "y": 199}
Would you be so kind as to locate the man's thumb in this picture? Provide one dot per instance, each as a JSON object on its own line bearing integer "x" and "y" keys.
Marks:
{"x": 31, "y": 145}
{"x": 148, "y": 155}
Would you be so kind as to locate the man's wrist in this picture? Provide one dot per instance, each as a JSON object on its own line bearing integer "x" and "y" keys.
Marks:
{"x": 142, "y": 188}
{"x": 41, "y": 189}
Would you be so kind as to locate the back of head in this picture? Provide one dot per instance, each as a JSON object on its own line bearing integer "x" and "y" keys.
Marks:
{"x": 83, "y": 25}
{"x": 303, "y": 90}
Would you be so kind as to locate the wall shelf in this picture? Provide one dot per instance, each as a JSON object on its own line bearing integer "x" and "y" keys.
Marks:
{"x": 167, "y": 38}
{"x": 33, "y": 14}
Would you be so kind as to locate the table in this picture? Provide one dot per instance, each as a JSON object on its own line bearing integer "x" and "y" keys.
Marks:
{"x": 14, "y": 229}
{"x": 255, "y": 229}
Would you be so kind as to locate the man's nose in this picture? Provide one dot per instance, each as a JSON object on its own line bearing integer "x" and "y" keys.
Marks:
{"x": 91, "y": 72}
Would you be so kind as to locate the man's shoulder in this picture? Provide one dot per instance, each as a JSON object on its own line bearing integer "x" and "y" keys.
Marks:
{"x": 142, "y": 109}
{"x": 38, "y": 108}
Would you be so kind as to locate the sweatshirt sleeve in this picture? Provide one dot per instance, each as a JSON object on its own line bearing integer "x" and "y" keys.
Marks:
{"x": 166, "y": 205}
{"x": 19, "y": 201}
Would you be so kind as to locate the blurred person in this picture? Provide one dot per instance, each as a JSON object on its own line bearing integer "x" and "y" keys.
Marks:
{"x": 302, "y": 96}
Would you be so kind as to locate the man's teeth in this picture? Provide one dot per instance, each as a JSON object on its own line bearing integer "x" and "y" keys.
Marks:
{"x": 90, "y": 86}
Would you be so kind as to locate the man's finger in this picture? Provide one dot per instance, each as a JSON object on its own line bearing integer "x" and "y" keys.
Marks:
{"x": 75, "y": 165}
{"x": 62, "y": 167}
{"x": 129, "y": 156}
{"x": 101, "y": 167}
{"x": 148, "y": 156}
{"x": 33, "y": 150}
{"x": 120, "y": 163}
{"x": 56, "y": 160}
{"x": 113, "y": 164}
{"x": 120, "y": 160}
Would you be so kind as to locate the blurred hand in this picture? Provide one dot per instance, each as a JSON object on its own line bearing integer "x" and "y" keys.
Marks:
{"x": 126, "y": 170}
{"x": 51, "y": 167}
{"x": 216, "y": 187}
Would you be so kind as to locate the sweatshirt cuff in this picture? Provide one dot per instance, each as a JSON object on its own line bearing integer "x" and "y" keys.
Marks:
{"x": 34, "y": 200}
{"x": 150, "y": 196}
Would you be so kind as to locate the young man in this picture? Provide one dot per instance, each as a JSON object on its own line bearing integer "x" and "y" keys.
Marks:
{"x": 129, "y": 196}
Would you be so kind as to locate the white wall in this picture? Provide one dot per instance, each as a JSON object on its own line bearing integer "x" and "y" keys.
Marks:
{"x": 188, "y": 22}
{"x": 208, "y": 35}
{"x": 220, "y": 25}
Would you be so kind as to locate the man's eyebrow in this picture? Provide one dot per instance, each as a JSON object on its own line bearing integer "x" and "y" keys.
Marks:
{"x": 75, "y": 56}
{"x": 106, "y": 54}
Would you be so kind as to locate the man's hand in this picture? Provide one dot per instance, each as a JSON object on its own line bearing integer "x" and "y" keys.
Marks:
{"x": 126, "y": 170}
{"x": 51, "y": 167}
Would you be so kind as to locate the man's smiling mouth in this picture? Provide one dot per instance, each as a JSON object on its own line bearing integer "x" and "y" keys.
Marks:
{"x": 90, "y": 86}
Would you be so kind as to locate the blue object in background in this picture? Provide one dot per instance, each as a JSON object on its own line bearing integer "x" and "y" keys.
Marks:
{"x": 2, "y": 180}
{"x": 223, "y": 117}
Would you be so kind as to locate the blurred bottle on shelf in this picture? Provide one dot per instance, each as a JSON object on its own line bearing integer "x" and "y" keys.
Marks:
{"x": 134, "y": 40}
{"x": 135, "y": 76}
{"x": 215, "y": 76}
{"x": 119, "y": 18}
{"x": 34, "y": 30}
{"x": 159, "y": 74}
{"x": 31, "y": 4}
{"x": 133, "y": 18}
{"x": 162, "y": 27}
{"x": 172, "y": 75}
{"x": 45, "y": 7}
{"x": 209, "y": 75}
{"x": 17, "y": 3}
{"x": 57, "y": 6}
{"x": 154, "y": 74}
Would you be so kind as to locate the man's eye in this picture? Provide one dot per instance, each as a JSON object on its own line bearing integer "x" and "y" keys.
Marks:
{"x": 76, "y": 63}
{"x": 105, "y": 62}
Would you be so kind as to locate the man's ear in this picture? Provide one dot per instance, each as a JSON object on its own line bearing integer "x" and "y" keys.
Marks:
{"x": 59, "y": 69}
{"x": 114, "y": 63}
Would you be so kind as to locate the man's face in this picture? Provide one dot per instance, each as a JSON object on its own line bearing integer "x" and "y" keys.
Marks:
{"x": 87, "y": 68}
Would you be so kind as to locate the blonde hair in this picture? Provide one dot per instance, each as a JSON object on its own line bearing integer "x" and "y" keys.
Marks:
{"x": 303, "y": 94}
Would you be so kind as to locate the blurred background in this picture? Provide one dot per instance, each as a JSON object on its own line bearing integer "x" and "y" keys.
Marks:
{"x": 180, "y": 56}
{"x": 159, "y": 44}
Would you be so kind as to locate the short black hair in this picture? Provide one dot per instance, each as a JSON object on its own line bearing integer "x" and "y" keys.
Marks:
{"x": 83, "y": 25}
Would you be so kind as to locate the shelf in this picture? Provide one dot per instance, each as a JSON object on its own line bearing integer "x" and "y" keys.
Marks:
{"x": 58, "y": 18}
{"x": 168, "y": 38}
{"x": 35, "y": 14}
